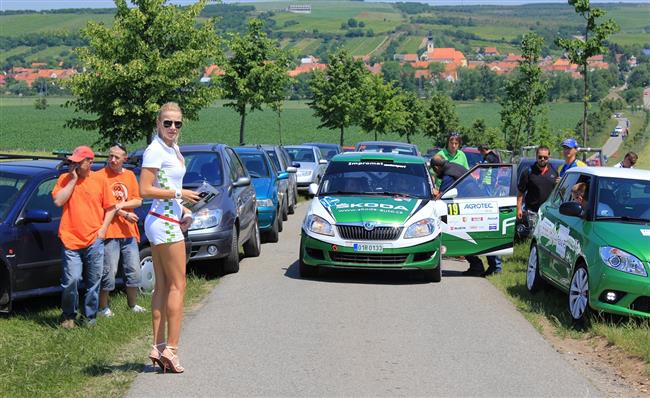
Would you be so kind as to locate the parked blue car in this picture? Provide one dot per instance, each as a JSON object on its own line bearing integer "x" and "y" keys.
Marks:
{"x": 267, "y": 182}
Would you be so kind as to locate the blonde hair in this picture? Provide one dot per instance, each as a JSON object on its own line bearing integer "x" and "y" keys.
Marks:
{"x": 169, "y": 106}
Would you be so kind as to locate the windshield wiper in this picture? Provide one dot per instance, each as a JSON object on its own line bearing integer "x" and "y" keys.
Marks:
{"x": 342, "y": 193}
{"x": 402, "y": 194}
{"x": 624, "y": 218}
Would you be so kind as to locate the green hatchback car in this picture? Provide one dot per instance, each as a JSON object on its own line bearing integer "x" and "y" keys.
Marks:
{"x": 597, "y": 248}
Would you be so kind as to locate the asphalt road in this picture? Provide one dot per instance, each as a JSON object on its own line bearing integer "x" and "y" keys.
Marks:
{"x": 267, "y": 332}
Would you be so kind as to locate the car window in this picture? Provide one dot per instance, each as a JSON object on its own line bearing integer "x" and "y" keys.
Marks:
{"x": 563, "y": 193}
{"x": 274, "y": 159}
{"x": 619, "y": 197}
{"x": 41, "y": 199}
{"x": 487, "y": 180}
{"x": 236, "y": 164}
{"x": 473, "y": 158}
{"x": 10, "y": 186}
{"x": 302, "y": 155}
{"x": 203, "y": 166}
{"x": 256, "y": 165}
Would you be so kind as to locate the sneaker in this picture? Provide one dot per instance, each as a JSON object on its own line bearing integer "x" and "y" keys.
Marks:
{"x": 473, "y": 272}
{"x": 106, "y": 312}
{"x": 67, "y": 324}
{"x": 89, "y": 323}
{"x": 137, "y": 308}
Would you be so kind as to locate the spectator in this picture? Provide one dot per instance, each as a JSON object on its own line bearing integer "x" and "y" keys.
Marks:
{"x": 570, "y": 149}
{"x": 161, "y": 179}
{"x": 628, "y": 161}
{"x": 494, "y": 262}
{"x": 452, "y": 151}
{"x": 123, "y": 235}
{"x": 579, "y": 194}
{"x": 536, "y": 183}
{"x": 88, "y": 208}
{"x": 446, "y": 173}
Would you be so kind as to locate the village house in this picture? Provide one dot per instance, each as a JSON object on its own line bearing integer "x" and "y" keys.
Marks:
{"x": 299, "y": 8}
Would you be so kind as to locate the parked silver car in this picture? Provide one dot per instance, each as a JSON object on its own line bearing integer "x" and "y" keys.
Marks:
{"x": 282, "y": 162}
{"x": 312, "y": 164}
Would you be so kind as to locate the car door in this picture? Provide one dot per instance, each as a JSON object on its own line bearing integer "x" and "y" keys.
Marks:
{"x": 38, "y": 248}
{"x": 481, "y": 212}
{"x": 243, "y": 196}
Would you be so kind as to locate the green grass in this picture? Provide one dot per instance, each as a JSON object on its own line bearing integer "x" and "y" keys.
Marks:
{"x": 50, "y": 52}
{"x": 303, "y": 46}
{"x": 20, "y": 50}
{"x": 410, "y": 45}
{"x": 363, "y": 45}
{"x": 41, "y": 359}
{"x": 25, "y": 128}
{"x": 630, "y": 334}
{"x": 16, "y": 25}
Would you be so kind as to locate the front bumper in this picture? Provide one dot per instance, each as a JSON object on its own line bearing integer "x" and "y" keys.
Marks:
{"x": 304, "y": 181}
{"x": 318, "y": 253}
{"x": 266, "y": 217}
{"x": 204, "y": 241}
{"x": 632, "y": 291}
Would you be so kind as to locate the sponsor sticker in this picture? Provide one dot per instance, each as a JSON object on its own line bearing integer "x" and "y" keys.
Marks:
{"x": 328, "y": 201}
{"x": 645, "y": 232}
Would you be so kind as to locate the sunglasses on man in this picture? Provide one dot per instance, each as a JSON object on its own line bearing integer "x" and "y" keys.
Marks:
{"x": 168, "y": 123}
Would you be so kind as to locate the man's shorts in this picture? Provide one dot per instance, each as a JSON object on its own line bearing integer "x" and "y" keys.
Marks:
{"x": 127, "y": 249}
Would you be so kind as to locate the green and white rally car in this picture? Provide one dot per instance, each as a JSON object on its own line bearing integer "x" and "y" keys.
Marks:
{"x": 376, "y": 210}
{"x": 599, "y": 254}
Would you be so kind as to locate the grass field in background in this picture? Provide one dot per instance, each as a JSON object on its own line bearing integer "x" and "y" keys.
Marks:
{"x": 363, "y": 45}
{"x": 26, "y": 128}
{"x": 410, "y": 45}
{"x": 16, "y": 25}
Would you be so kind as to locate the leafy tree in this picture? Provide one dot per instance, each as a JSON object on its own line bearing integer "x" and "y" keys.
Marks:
{"x": 436, "y": 68}
{"x": 414, "y": 117}
{"x": 580, "y": 50}
{"x": 152, "y": 54}
{"x": 525, "y": 94}
{"x": 255, "y": 73}
{"x": 337, "y": 92}
{"x": 391, "y": 70}
{"x": 382, "y": 109}
{"x": 278, "y": 92}
{"x": 440, "y": 118}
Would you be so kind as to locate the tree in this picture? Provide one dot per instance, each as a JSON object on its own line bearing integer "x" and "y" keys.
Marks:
{"x": 525, "y": 93}
{"x": 279, "y": 87}
{"x": 414, "y": 117}
{"x": 153, "y": 53}
{"x": 254, "y": 72}
{"x": 337, "y": 92}
{"x": 441, "y": 118}
{"x": 382, "y": 109}
{"x": 579, "y": 50}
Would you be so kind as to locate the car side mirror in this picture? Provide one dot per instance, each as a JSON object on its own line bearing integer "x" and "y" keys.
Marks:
{"x": 241, "y": 182}
{"x": 283, "y": 175}
{"x": 292, "y": 169}
{"x": 572, "y": 209}
{"x": 296, "y": 165}
{"x": 313, "y": 189}
{"x": 451, "y": 194}
{"x": 322, "y": 161}
{"x": 37, "y": 215}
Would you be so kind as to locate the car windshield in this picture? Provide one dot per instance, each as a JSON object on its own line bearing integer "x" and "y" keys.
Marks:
{"x": 10, "y": 186}
{"x": 301, "y": 155}
{"x": 203, "y": 166}
{"x": 328, "y": 152}
{"x": 623, "y": 199}
{"x": 255, "y": 164}
{"x": 376, "y": 178}
{"x": 402, "y": 150}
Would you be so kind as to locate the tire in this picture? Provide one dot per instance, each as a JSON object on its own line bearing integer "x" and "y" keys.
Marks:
{"x": 253, "y": 247}
{"x": 534, "y": 280}
{"x": 147, "y": 275}
{"x": 579, "y": 295}
{"x": 285, "y": 210}
{"x": 274, "y": 234}
{"x": 434, "y": 275}
{"x": 231, "y": 263}
{"x": 292, "y": 207}
{"x": 307, "y": 271}
{"x": 278, "y": 218}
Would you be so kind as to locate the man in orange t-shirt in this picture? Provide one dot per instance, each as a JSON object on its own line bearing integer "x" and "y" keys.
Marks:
{"x": 88, "y": 207}
{"x": 123, "y": 235}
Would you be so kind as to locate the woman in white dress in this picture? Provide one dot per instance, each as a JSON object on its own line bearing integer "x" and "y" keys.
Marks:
{"x": 161, "y": 179}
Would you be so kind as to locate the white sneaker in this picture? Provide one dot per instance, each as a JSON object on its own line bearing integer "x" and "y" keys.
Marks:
{"x": 137, "y": 308}
{"x": 106, "y": 312}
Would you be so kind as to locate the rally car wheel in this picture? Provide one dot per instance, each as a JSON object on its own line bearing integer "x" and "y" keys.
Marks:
{"x": 306, "y": 271}
{"x": 579, "y": 294}
{"x": 434, "y": 275}
{"x": 534, "y": 280}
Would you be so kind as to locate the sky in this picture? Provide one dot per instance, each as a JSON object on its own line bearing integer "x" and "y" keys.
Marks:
{"x": 53, "y": 4}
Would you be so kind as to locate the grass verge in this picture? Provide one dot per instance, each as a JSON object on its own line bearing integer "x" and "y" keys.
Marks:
{"x": 629, "y": 334}
{"x": 39, "y": 358}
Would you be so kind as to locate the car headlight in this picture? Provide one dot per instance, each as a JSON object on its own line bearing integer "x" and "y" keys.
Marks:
{"x": 206, "y": 218}
{"x": 318, "y": 225}
{"x": 264, "y": 202}
{"x": 622, "y": 261}
{"x": 421, "y": 228}
{"x": 304, "y": 173}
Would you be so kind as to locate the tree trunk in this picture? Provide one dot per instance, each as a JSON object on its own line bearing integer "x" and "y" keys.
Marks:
{"x": 375, "y": 135}
{"x": 241, "y": 127}
{"x": 408, "y": 138}
{"x": 280, "y": 125}
{"x": 341, "y": 136}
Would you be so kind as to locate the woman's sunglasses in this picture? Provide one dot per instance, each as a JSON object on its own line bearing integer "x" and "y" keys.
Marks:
{"x": 168, "y": 123}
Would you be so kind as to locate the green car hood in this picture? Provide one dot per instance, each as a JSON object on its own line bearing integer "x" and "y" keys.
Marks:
{"x": 378, "y": 209}
{"x": 625, "y": 236}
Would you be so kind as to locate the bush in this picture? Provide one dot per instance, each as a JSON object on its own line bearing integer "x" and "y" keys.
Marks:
{"x": 40, "y": 103}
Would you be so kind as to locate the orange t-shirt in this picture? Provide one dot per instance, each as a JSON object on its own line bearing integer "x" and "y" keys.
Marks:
{"x": 124, "y": 187}
{"x": 83, "y": 213}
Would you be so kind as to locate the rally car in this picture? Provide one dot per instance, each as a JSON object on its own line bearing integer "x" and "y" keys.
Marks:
{"x": 377, "y": 210}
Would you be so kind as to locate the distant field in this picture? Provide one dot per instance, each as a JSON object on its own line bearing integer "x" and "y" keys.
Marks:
{"x": 14, "y": 51}
{"x": 48, "y": 52}
{"x": 28, "y": 129}
{"x": 16, "y": 25}
{"x": 303, "y": 46}
{"x": 410, "y": 45}
{"x": 363, "y": 45}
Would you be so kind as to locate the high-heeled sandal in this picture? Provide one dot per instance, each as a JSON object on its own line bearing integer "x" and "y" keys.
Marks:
{"x": 171, "y": 361}
{"x": 155, "y": 355}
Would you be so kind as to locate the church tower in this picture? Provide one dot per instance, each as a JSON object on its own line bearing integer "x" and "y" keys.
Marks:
{"x": 430, "y": 45}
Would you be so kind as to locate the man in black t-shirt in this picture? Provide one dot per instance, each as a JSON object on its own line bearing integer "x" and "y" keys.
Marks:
{"x": 536, "y": 183}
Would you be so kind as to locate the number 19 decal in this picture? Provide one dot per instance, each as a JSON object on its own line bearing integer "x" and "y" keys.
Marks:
{"x": 453, "y": 209}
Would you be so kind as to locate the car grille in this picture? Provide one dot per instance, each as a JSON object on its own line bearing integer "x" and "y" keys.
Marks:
{"x": 358, "y": 232}
{"x": 365, "y": 258}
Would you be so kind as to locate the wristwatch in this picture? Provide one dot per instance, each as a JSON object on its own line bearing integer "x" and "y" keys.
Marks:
{"x": 178, "y": 194}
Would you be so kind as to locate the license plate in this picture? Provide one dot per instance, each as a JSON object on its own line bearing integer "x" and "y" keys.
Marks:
{"x": 366, "y": 247}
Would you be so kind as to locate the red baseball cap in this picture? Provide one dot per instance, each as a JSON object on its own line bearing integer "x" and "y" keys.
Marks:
{"x": 80, "y": 153}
